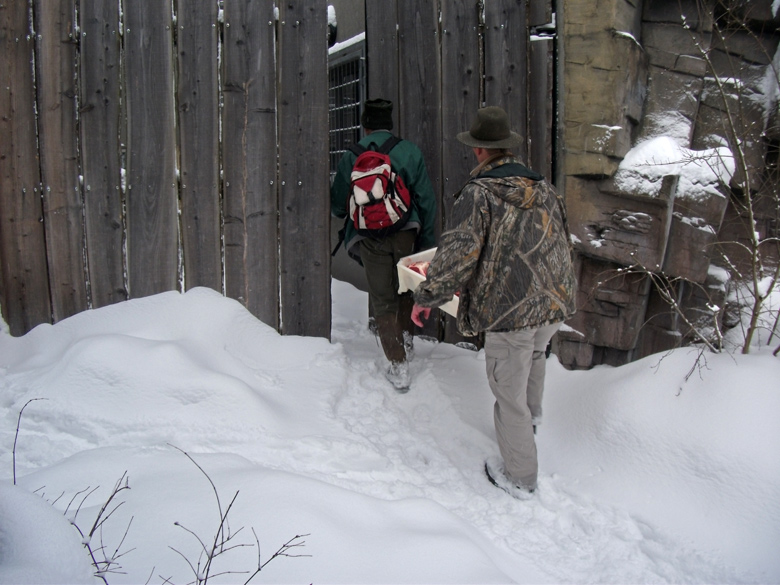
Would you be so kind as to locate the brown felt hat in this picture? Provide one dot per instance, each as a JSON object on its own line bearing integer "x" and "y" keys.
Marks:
{"x": 490, "y": 130}
{"x": 377, "y": 115}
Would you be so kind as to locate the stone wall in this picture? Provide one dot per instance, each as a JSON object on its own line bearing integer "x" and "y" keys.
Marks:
{"x": 660, "y": 75}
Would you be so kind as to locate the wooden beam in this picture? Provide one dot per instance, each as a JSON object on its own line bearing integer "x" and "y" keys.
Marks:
{"x": 198, "y": 116}
{"x": 58, "y": 149}
{"x": 249, "y": 139}
{"x": 99, "y": 128}
{"x": 304, "y": 210}
{"x": 152, "y": 207}
{"x": 24, "y": 283}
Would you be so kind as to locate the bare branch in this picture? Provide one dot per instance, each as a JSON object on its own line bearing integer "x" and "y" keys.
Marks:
{"x": 223, "y": 540}
{"x": 16, "y": 436}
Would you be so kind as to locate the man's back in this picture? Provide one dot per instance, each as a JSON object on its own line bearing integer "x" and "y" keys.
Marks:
{"x": 408, "y": 162}
{"x": 508, "y": 251}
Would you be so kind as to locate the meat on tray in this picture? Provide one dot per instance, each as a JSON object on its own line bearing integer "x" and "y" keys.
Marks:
{"x": 419, "y": 267}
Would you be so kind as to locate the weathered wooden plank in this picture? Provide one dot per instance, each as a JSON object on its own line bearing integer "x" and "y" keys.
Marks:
{"x": 382, "y": 58}
{"x": 24, "y": 284}
{"x": 198, "y": 108}
{"x": 541, "y": 106}
{"x": 539, "y": 12}
{"x": 506, "y": 63}
{"x": 381, "y": 51}
{"x": 460, "y": 70}
{"x": 460, "y": 74}
{"x": 57, "y": 142}
{"x": 152, "y": 208}
{"x": 304, "y": 206}
{"x": 249, "y": 158}
{"x": 419, "y": 104}
{"x": 99, "y": 117}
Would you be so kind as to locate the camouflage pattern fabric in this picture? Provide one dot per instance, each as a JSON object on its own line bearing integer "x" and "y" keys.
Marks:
{"x": 508, "y": 253}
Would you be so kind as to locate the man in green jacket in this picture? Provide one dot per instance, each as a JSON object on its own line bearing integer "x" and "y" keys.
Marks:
{"x": 507, "y": 254}
{"x": 379, "y": 256}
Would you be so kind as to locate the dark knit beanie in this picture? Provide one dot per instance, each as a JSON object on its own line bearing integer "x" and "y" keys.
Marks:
{"x": 377, "y": 115}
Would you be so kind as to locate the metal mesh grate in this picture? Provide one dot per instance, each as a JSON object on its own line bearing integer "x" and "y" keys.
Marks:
{"x": 346, "y": 91}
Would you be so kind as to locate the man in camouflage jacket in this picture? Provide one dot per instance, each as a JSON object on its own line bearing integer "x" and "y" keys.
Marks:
{"x": 508, "y": 256}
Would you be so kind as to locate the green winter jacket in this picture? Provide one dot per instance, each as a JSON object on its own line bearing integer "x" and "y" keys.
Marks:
{"x": 507, "y": 254}
{"x": 408, "y": 161}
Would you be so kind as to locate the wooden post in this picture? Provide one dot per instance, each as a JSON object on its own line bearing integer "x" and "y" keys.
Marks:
{"x": 382, "y": 44}
{"x": 460, "y": 50}
{"x": 541, "y": 106}
{"x": 57, "y": 139}
{"x": 24, "y": 284}
{"x": 506, "y": 63}
{"x": 198, "y": 111}
{"x": 419, "y": 105}
{"x": 539, "y": 12}
{"x": 249, "y": 153}
{"x": 99, "y": 129}
{"x": 382, "y": 59}
{"x": 152, "y": 207}
{"x": 304, "y": 208}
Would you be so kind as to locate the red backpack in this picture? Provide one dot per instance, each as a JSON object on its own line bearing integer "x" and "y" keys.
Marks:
{"x": 379, "y": 201}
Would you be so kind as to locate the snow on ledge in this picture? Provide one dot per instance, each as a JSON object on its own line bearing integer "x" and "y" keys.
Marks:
{"x": 700, "y": 172}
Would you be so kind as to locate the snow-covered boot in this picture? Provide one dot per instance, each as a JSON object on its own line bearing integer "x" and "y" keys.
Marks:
{"x": 496, "y": 473}
{"x": 398, "y": 375}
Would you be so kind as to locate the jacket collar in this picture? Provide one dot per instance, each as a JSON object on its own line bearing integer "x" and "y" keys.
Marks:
{"x": 503, "y": 165}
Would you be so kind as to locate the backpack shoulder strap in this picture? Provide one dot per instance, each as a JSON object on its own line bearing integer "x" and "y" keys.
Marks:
{"x": 357, "y": 148}
{"x": 389, "y": 145}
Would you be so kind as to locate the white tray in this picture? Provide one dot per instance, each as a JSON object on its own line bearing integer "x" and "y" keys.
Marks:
{"x": 409, "y": 279}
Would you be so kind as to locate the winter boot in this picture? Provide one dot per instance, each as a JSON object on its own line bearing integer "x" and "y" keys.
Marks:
{"x": 391, "y": 337}
{"x": 496, "y": 474}
{"x": 398, "y": 375}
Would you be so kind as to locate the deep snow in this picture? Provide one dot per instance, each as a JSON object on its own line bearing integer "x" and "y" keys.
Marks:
{"x": 646, "y": 476}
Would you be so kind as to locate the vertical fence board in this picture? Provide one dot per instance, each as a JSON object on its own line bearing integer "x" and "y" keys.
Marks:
{"x": 540, "y": 118}
{"x": 382, "y": 44}
{"x": 58, "y": 150}
{"x": 304, "y": 202}
{"x": 152, "y": 207}
{"x": 539, "y": 12}
{"x": 420, "y": 81}
{"x": 420, "y": 92}
{"x": 382, "y": 59}
{"x": 249, "y": 158}
{"x": 460, "y": 92}
{"x": 506, "y": 62}
{"x": 198, "y": 113}
{"x": 99, "y": 117}
{"x": 25, "y": 287}
{"x": 460, "y": 101}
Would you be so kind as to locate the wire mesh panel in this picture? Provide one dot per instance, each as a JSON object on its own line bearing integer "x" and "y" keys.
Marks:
{"x": 346, "y": 92}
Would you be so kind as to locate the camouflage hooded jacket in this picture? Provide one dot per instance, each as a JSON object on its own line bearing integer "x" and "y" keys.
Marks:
{"x": 507, "y": 254}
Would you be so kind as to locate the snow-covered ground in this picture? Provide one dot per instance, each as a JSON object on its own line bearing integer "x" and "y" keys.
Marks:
{"x": 648, "y": 475}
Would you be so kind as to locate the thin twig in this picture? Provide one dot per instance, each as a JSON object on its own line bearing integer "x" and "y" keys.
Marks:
{"x": 16, "y": 436}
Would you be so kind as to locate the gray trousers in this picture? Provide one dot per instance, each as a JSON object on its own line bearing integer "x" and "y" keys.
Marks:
{"x": 515, "y": 364}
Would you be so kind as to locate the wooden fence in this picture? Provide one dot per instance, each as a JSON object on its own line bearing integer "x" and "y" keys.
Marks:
{"x": 164, "y": 146}
{"x": 174, "y": 144}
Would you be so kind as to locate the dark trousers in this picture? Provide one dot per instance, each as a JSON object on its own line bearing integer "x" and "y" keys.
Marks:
{"x": 392, "y": 312}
